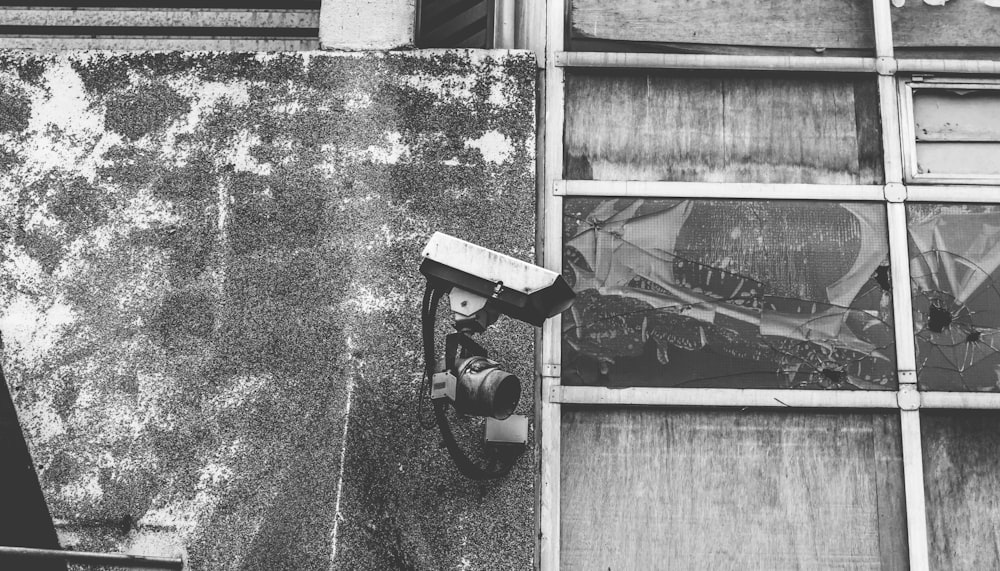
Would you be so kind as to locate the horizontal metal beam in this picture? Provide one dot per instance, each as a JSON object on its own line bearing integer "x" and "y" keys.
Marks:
{"x": 699, "y": 61}
{"x": 953, "y": 193}
{"x": 159, "y": 17}
{"x": 947, "y": 66}
{"x": 89, "y": 558}
{"x": 671, "y": 189}
{"x": 776, "y": 398}
{"x": 165, "y": 43}
{"x": 960, "y": 400}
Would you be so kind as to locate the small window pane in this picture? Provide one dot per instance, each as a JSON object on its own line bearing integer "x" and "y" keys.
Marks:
{"x": 954, "y": 268}
{"x": 957, "y": 131}
{"x": 722, "y": 128}
{"x": 656, "y": 489}
{"x": 727, "y": 293}
{"x": 962, "y": 486}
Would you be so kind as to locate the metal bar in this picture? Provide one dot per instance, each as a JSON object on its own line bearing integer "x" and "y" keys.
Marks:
{"x": 768, "y": 398}
{"x": 883, "y": 28}
{"x": 718, "y": 190}
{"x": 555, "y": 23}
{"x": 913, "y": 483}
{"x": 505, "y": 24}
{"x": 90, "y": 558}
{"x": 891, "y": 133}
{"x": 960, "y": 400}
{"x": 948, "y": 66}
{"x": 159, "y": 17}
{"x": 164, "y": 43}
{"x": 945, "y": 193}
{"x": 945, "y": 178}
{"x": 902, "y": 304}
{"x": 700, "y": 61}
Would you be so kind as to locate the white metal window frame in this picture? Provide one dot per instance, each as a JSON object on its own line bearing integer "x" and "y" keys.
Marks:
{"x": 896, "y": 116}
{"x": 908, "y": 124}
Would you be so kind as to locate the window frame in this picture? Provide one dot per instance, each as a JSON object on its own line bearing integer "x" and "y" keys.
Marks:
{"x": 899, "y": 188}
{"x": 917, "y": 82}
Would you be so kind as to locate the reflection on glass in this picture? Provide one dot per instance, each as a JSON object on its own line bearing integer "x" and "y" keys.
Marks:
{"x": 954, "y": 267}
{"x": 712, "y": 293}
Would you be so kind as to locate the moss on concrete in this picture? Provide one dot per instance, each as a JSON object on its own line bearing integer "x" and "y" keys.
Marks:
{"x": 219, "y": 254}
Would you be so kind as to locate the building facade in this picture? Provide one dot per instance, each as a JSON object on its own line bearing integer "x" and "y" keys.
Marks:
{"x": 779, "y": 219}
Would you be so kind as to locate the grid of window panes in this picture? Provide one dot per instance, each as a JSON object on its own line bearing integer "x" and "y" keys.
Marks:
{"x": 705, "y": 228}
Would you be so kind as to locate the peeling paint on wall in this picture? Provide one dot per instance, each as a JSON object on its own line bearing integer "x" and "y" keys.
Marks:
{"x": 209, "y": 259}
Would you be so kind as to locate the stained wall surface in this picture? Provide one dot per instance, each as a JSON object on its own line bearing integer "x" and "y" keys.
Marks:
{"x": 210, "y": 299}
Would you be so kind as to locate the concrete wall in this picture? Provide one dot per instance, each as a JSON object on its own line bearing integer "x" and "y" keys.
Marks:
{"x": 209, "y": 295}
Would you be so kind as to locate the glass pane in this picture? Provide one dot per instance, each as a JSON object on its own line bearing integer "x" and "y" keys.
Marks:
{"x": 962, "y": 485}
{"x": 957, "y": 131}
{"x": 727, "y": 293}
{"x": 722, "y": 128}
{"x": 730, "y": 490}
{"x": 954, "y": 268}
{"x": 726, "y": 26}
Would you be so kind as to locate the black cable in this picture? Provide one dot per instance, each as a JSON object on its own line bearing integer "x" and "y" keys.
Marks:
{"x": 468, "y": 468}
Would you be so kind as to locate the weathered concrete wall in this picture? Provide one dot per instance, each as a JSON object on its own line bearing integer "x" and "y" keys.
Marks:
{"x": 209, "y": 294}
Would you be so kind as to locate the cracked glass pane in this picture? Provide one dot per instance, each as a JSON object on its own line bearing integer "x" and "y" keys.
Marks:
{"x": 954, "y": 268}
{"x": 727, "y": 293}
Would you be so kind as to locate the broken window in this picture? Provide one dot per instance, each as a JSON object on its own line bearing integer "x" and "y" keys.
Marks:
{"x": 954, "y": 268}
{"x": 727, "y": 293}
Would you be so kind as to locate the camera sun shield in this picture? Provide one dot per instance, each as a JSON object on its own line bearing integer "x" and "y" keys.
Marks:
{"x": 513, "y": 287}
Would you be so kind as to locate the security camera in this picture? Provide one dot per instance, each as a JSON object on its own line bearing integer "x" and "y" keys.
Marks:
{"x": 481, "y": 285}
{"x": 495, "y": 282}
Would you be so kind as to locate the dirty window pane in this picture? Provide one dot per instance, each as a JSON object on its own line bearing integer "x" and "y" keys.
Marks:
{"x": 727, "y": 490}
{"x": 957, "y": 131}
{"x": 722, "y": 127}
{"x": 954, "y": 268}
{"x": 953, "y": 30}
{"x": 962, "y": 487}
{"x": 727, "y": 293}
{"x": 834, "y": 27}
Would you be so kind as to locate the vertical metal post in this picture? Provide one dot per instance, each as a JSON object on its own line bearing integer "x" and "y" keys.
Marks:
{"x": 895, "y": 194}
{"x": 551, "y": 248}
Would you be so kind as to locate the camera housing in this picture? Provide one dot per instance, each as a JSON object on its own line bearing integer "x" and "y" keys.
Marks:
{"x": 510, "y": 286}
{"x": 481, "y": 285}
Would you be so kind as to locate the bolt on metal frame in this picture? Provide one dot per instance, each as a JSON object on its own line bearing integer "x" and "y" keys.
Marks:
{"x": 894, "y": 194}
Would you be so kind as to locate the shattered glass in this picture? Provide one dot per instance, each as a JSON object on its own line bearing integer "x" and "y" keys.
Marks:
{"x": 954, "y": 268}
{"x": 727, "y": 293}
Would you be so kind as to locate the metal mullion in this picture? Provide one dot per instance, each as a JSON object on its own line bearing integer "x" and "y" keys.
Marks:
{"x": 948, "y": 66}
{"x": 672, "y": 189}
{"x": 727, "y": 62}
{"x": 709, "y": 397}
{"x": 913, "y": 473}
{"x": 550, "y": 412}
{"x": 959, "y": 401}
{"x": 953, "y": 193}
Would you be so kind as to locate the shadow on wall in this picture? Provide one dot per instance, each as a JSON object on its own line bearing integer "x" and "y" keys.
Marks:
{"x": 207, "y": 258}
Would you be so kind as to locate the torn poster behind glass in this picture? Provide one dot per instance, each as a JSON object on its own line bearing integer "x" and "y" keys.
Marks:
{"x": 715, "y": 293}
{"x": 954, "y": 265}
